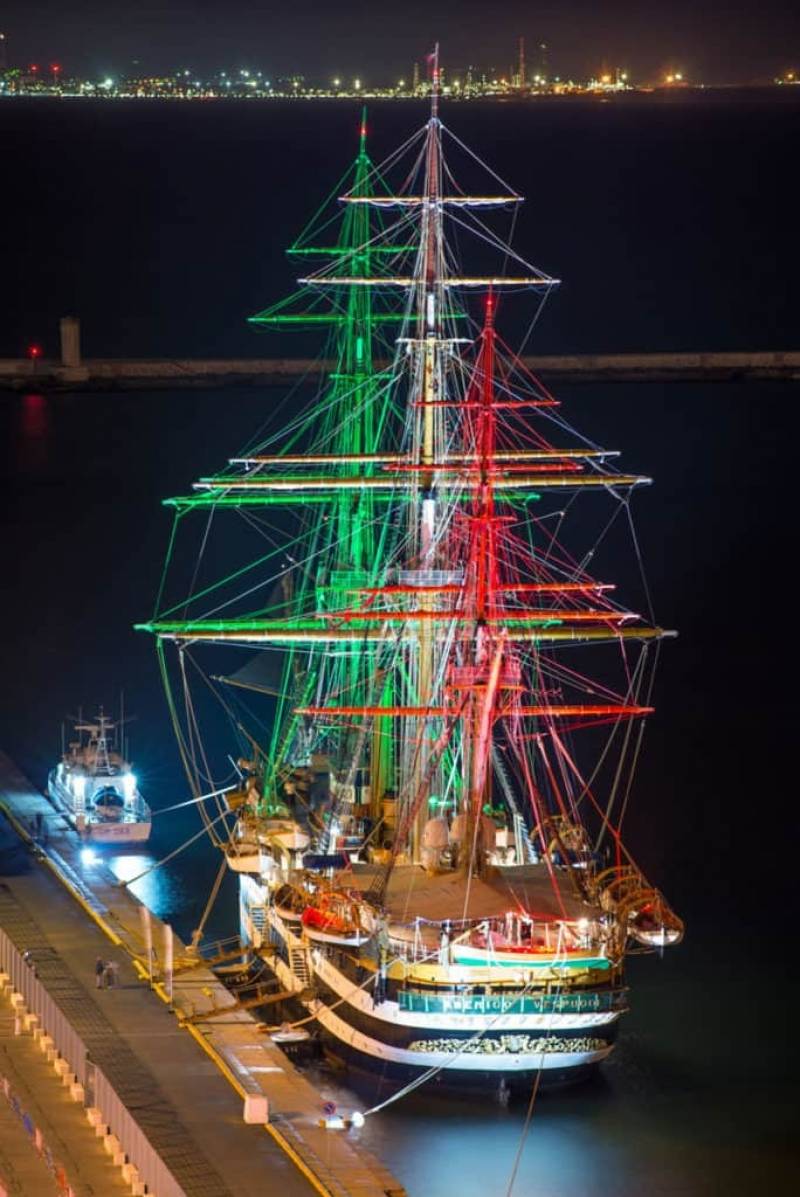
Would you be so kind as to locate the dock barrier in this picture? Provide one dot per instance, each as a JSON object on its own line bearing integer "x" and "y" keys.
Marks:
{"x": 141, "y": 1165}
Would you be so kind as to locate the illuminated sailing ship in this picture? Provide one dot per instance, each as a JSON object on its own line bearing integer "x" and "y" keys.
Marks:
{"x": 427, "y": 861}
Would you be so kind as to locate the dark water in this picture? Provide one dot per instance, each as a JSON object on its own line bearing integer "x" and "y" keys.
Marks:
{"x": 673, "y": 225}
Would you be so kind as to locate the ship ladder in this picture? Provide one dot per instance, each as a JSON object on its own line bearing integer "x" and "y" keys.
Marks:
{"x": 258, "y": 920}
{"x": 526, "y": 853}
{"x": 300, "y": 964}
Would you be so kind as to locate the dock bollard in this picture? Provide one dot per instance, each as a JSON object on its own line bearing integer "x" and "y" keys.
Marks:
{"x": 256, "y": 1109}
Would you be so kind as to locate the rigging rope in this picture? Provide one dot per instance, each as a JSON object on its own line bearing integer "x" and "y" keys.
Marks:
{"x": 165, "y": 810}
{"x": 170, "y": 856}
{"x": 197, "y": 934}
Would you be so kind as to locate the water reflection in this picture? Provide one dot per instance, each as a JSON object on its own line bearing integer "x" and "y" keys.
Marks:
{"x": 595, "y": 1140}
{"x": 34, "y": 430}
{"x": 157, "y": 888}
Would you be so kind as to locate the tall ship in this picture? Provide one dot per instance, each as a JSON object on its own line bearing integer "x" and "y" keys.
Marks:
{"x": 396, "y": 613}
{"x": 97, "y": 789}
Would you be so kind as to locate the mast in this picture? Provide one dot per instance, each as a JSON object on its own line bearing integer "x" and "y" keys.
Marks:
{"x": 486, "y": 656}
{"x": 346, "y": 543}
{"x": 421, "y": 733}
{"x": 422, "y": 563}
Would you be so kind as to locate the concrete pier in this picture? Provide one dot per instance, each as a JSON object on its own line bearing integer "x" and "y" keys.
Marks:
{"x": 74, "y": 373}
{"x": 190, "y": 1089}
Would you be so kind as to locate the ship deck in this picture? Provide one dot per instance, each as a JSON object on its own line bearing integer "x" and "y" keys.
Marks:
{"x": 413, "y": 893}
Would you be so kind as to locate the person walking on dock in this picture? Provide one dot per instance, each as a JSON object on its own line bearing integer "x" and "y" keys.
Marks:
{"x": 99, "y": 973}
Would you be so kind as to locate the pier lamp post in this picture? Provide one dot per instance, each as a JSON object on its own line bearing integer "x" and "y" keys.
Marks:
{"x": 34, "y": 353}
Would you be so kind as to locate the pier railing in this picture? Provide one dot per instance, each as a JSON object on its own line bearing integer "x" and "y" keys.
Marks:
{"x": 151, "y": 1168}
{"x": 20, "y": 967}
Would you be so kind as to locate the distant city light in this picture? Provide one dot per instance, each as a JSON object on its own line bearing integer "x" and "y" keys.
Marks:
{"x": 473, "y": 83}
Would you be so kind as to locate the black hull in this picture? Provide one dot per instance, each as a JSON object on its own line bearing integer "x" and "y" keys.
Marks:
{"x": 402, "y": 1036}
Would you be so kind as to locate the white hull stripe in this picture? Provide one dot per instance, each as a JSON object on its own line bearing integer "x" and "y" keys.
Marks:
{"x": 389, "y": 1012}
{"x": 465, "y": 1061}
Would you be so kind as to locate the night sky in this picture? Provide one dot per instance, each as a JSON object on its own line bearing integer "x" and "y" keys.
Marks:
{"x": 726, "y": 41}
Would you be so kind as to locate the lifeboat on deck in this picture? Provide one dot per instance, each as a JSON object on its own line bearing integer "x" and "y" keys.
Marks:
{"x": 642, "y": 912}
{"x": 286, "y": 834}
{"x": 243, "y": 852}
{"x": 493, "y": 949}
{"x": 289, "y": 903}
{"x": 334, "y": 918}
{"x": 653, "y": 924}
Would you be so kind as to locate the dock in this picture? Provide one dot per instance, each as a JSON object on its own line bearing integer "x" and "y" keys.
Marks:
{"x": 72, "y": 372}
{"x": 168, "y": 1080}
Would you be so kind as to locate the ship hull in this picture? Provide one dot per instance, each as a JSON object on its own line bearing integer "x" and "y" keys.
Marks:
{"x": 448, "y": 1081}
{"x": 98, "y": 831}
{"x": 464, "y": 1050}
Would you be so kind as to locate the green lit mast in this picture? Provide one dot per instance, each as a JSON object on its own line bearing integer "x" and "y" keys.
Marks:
{"x": 343, "y": 536}
{"x": 342, "y": 533}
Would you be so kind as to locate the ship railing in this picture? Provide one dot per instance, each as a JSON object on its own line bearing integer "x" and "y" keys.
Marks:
{"x": 540, "y": 935}
{"x": 215, "y": 949}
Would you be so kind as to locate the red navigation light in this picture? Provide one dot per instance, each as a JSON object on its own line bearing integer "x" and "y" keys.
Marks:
{"x": 34, "y": 351}
{"x": 55, "y": 68}
{"x": 34, "y": 67}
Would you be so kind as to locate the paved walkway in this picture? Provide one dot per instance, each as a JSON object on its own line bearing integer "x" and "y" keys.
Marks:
{"x": 193, "y": 1113}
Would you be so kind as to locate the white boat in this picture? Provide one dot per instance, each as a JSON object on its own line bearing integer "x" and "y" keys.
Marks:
{"x": 96, "y": 788}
